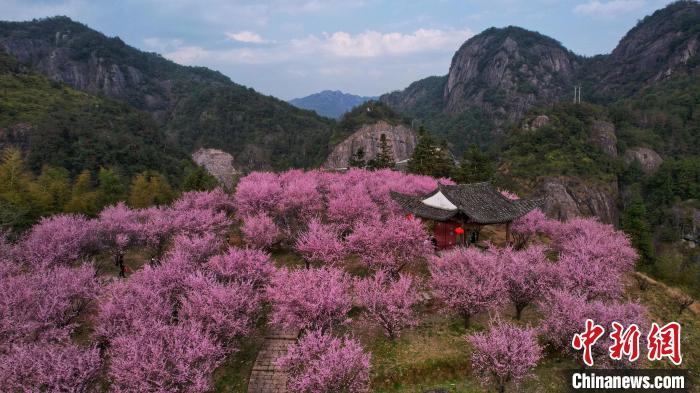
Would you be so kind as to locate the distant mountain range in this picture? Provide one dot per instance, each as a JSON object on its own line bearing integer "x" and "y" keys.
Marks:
{"x": 330, "y": 103}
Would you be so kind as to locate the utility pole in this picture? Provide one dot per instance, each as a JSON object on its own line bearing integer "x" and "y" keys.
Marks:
{"x": 577, "y": 94}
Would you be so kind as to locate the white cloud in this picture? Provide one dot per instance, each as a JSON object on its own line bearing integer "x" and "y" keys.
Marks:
{"x": 609, "y": 9}
{"x": 336, "y": 46}
{"x": 247, "y": 37}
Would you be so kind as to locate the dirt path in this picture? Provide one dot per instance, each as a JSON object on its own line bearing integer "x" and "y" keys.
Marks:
{"x": 673, "y": 292}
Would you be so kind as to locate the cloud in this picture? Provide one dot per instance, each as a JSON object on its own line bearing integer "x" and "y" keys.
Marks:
{"x": 336, "y": 46}
{"x": 247, "y": 37}
{"x": 609, "y": 9}
{"x": 375, "y": 44}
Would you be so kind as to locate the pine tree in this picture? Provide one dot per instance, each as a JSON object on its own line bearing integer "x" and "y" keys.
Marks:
{"x": 111, "y": 188}
{"x": 475, "y": 166}
{"x": 636, "y": 224}
{"x": 385, "y": 158}
{"x": 83, "y": 198}
{"x": 430, "y": 159}
{"x": 198, "y": 179}
{"x": 357, "y": 160}
{"x": 139, "y": 192}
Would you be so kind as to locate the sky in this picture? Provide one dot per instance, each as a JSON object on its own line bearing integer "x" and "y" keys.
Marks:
{"x": 292, "y": 48}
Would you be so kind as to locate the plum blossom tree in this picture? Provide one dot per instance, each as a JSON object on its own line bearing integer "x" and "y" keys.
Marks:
{"x": 320, "y": 363}
{"x": 310, "y": 299}
{"x": 527, "y": 227}
{"x": 257, "y": 193}
{"x": 504, "y": 354}
{"x": 42, "y": 305}
{"x": 59, "y": 240}
{"x": 469, "y": 281}
{"x": 260, "y": 231}
{"x": 526, "y": 275}
{"x": 387, "y": 302}
{"x": 224, "y": 311}
{"x": 321, "y": 242}
{"x": 49, "y": 367}
{"x": 197, "y": 249}
{"x": 244, "y": 266}
{"x": 352, "y": 207}
{"x": 564, "y": 314}
{"x": 390, "y": 245}
{"x": 300, "y": 199}
{"x": 217, "y": 200}
{"x": 156, "y": 357}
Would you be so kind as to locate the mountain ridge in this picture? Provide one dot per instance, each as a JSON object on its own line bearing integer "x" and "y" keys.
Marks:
{"x": 330, "y": 103}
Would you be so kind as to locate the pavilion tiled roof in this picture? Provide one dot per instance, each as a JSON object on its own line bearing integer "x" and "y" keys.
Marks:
{"x": 481, "y": 203}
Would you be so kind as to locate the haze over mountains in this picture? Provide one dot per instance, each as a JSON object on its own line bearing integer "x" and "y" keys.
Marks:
{"x": 330, "y": 103}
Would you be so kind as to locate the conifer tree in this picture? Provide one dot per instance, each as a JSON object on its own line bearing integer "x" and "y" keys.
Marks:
{"x": 198, "y": 179}
{"x": 634, "y": 222}
{"x": 385, "y": 158}
{"x": 83, "y": 198}
{"x": 430, "y": 159}
{"x": 475, "y": 166}
{"x": 111, "y": 188}
{"x": 357, "y": 160}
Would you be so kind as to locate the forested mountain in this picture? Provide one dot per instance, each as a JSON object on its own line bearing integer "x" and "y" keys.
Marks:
{"x": 498, "y": 75}
{"x": 59, "y": 126}
{"x": 330, "y": 103}
{"x": 195, "y": 106}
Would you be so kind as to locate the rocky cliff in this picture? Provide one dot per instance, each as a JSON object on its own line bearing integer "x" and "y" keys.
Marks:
{"x": 568, "y": 197}
{"x": 194, "y": 105}
{"x": 504, "y": 72}
{"x": 218, "y": 163}
{"x": 498, "y": 75}
{"x": 401, "y": 138}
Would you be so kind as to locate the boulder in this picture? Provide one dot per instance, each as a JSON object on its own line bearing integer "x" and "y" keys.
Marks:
{"x": 568, "y": 197}
{"x": 401, "y": 139}
{"x": 647, "y": 158}
{"x": 218, "y": 163}
{"x": 602, "y": 135}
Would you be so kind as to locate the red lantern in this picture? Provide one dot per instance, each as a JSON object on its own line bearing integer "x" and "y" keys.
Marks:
{"x": 459, "y": 230}
{"x": 409, "y": 216}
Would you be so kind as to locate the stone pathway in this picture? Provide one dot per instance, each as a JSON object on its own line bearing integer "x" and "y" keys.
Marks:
{"x": 265, "y": 376}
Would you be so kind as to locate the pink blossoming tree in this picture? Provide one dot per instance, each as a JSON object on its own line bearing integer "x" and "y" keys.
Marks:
{"x": 48, "y": 367}
{"x": 320, "y": 363}
{"x": 310, "y": 299}
{"x": 387, "y": 302}
{"x": 526, "y": 275}
{"x": 391, "y": 245}
{"x": 505, "y": 354}
{"x": 260, "y": 231}
{"x": 468, "y": 281}
{"x": 321, "y": 242}
{"x": 244, "y": 266}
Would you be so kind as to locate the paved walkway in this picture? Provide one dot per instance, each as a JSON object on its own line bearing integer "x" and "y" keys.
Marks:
{"x": 265, "y": 376}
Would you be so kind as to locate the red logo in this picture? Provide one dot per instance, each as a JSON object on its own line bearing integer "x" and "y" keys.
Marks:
{"x": 665, "y": 342}
{"x": 587, "y": 339}
{"x": 625, "y": 342}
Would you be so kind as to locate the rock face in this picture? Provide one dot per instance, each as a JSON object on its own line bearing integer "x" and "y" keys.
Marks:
{"x": 570, "y": 197}
{"x": 664, "y": 44}
{"x": 218, "y": 163}
{"x": 401, "y": 138}
{"x": 507, "y": 71}
{"x": 496, "y": 76}
{"x": 647, "y": 158}
{"x": 602, "y": 135}
{"x": 194, "y": 105}
{"x": 538, "y": 122}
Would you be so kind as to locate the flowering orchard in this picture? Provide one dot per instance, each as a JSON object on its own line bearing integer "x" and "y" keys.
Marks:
{"x": 174, "y": 320}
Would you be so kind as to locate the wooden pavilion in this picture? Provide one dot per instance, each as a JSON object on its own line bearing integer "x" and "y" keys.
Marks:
{"x": 460, "y": 211}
